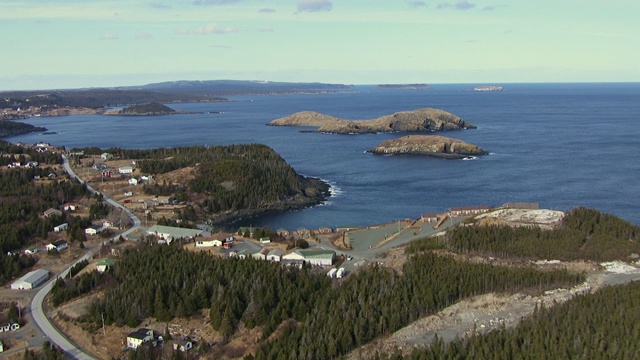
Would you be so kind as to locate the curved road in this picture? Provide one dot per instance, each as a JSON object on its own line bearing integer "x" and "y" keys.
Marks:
{"x": 37, "y": 310}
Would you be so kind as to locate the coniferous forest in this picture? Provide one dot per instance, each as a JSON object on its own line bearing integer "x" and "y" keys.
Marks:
{"x": 321, "y": 319}
{"x": 585, "y": 234}
{"x": 603, "y": 325}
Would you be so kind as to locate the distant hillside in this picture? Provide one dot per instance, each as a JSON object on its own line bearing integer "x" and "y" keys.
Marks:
{"x": 403, "y": 86}
{"x": 240, "y": 87}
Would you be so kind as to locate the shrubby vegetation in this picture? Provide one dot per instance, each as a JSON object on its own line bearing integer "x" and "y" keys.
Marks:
{"x": 149, "y": 108}
{"x": 596, "y": 326}
{"x": 584, "y": 234}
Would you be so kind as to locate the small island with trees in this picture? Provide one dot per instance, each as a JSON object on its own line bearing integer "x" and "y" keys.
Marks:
{"x": 149, "y": 109}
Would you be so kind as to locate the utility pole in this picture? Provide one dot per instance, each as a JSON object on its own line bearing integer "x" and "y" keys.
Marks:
{"x": 103, "y": 331}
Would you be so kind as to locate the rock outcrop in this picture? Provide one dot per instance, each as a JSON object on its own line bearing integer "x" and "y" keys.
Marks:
{"x": 421, "y": 120}
{"x": 429, "y": 145}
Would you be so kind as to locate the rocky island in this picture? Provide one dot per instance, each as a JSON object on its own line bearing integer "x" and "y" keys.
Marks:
{"x": 153, "y": 108}
{"x": 488, "y": 88}
{"x": 421, "y": 120}
{"x": 429, "y": 145}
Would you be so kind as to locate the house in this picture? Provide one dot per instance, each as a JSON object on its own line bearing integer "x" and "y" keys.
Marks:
{"x": 469, "y": 210}
{"x": 31, "y": 280}
{"x": 133, "y": 181}
{"x": 61, "y": 227}
{"x": 146, "y": 178}
{"x": 69, "y": 207}
{"x": 345, "y": 228}
{"x": 183, "y": 344}
{"x": 139, "y": 337}
{"x": 93, "y": 230}
{"x": 170, "y": 233}
{"x": 312, "y": 257}
{"x": 429, "y": 218}
{"x": 31, "y": 251}
{"x": 265, "y": 240}
{"x": 303, "y": 232}
{"x": 57, "y": 245}
{"x": 283, "y": 232}
{"x": 107, "y": 173}
{"x": 125, "y": 169}
{"x": 275, "y": 255}
{"x": 325, "y": 230}
{"x": 260, "y": 255}
{"x": 128, "y": 193}
{"x": 208, "y": 242}
{"x": 100, "y": 166}
{"x": 106, "y": 156}
{"x": 104, "y": 265}
{"x": 52, "y": 212}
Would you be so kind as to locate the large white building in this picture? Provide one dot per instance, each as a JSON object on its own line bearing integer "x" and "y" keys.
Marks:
{"x": 170, "y": 233}
{"x": 31, "y": 280}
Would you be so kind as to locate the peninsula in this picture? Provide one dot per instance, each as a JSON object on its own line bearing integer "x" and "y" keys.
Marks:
{"x": 429, "y": 145}
{"x": 421, "y": 120}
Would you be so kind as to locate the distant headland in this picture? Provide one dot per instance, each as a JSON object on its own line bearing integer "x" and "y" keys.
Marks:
{"x": 403, "y": 86}
{"x": 421, "y": 120}
{"x": 429, "y": 145}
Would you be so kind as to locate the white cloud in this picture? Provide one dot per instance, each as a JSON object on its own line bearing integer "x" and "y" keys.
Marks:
{"x": 109, "y": 37}
{"x": 216, "y": 29}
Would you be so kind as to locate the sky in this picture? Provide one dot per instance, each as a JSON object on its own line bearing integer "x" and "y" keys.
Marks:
{"x": 100, "y": 43}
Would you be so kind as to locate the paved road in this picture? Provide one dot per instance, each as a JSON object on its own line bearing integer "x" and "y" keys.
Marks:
{"x": 37, "y": 310}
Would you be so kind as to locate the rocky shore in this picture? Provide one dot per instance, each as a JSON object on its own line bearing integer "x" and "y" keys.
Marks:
{"x": 429, "y": 145}
{"x": 421, "y": 120}
{"x": 314, "y": 192}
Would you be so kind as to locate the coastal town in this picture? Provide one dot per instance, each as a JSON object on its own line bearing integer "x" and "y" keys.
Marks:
{"x": 134, "y": 219}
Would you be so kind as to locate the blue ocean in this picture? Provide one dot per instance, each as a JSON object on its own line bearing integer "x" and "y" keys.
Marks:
{"x": 561, "y": 145}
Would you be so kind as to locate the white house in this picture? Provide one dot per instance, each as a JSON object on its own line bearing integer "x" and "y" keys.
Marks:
{"x": 312, "y": 257}
{"x": 275, "y": 255}
{"x": 93, "y": 230}
{"x": 469, "y": 210}
{"x": 428, "y": 218}
{"x": 61, "y": 227}
{"x": 125, "y": 169}
{"x": 260, "y": 255}
{"x": 265, "y": 240}
{"x": 31, "y": 251}
{"x": 208, "y": 242}
{"x": 106, "y": 156}
{"x": 69, "y": 207}
{"x": 52, "y": 212}
{"x": 133, "y": 181}
{"x": 104, "y": 264}
{"x": 57, "y": 245}
{"x": 31, "y": 280}
{"x": 183, "y": 344}
{"x": 139, "y": 337}
{"x": 170, "y": 233}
